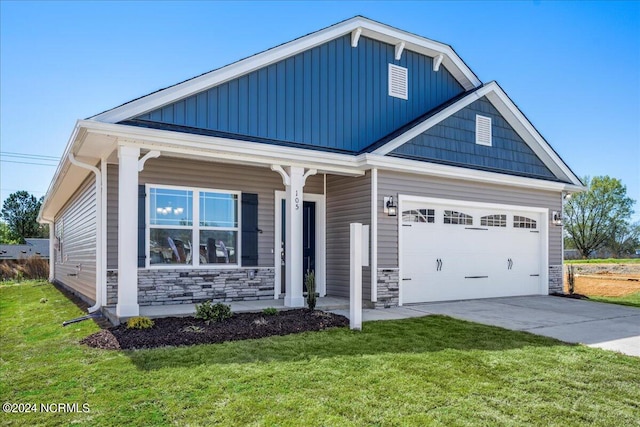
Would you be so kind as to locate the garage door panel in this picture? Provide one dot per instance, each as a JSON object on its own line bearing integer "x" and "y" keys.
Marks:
{"x": 465, "y": 252}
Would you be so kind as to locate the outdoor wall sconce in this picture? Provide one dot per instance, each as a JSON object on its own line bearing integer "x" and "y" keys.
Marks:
{"x": 556, "y": 218}
{"x": 390, "y": 207}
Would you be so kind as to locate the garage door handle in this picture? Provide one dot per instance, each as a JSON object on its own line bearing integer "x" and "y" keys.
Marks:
{"x": 407, "y": 279}
{"x": 438, "y": 264}
{"x": 476, "y": 277}
{"x": 509, "y": 264}
{"x": 534, "y": 275}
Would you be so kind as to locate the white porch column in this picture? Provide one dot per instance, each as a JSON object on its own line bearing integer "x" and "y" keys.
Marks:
{"x": 293, "y": 271}
{"x": 128, "y": 232}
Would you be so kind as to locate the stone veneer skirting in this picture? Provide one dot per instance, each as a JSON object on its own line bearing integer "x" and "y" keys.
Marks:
{"x": 555, "y": 279}
{"x": 179, "y": 286}
{"x": 388, "y": 288}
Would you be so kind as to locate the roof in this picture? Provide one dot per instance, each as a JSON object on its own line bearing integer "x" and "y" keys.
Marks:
{"x": 33, "y": 247}
{"x": 356, "y": 25}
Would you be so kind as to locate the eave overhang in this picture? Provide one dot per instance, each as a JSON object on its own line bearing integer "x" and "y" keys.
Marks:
{"x": 92, "y": 142}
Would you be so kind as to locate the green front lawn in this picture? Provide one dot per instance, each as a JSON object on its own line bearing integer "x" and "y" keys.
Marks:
{"x": 426, "y": 371}
{"x": 632, "y": 300}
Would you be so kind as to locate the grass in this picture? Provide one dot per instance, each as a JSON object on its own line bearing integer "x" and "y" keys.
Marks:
{"x": 632, "y": 300}
{"x": 426, "y": 371}
{"x": 603, "y": 261}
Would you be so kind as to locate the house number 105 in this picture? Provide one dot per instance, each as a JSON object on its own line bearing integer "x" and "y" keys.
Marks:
{"x": 297, "y": 200}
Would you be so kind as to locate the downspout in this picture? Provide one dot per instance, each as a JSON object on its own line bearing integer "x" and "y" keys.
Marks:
{"x": 52, "y": 259}
{"x": 99, "y": 267}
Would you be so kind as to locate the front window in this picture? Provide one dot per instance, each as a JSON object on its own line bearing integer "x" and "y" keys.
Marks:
{"x": 192, "y": 227}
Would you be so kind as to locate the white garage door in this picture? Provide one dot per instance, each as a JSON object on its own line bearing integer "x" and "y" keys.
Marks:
{"x": 455, "y": 251}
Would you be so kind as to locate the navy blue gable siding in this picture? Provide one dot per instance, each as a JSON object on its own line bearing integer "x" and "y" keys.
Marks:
{"x": 332, "y": 96}
{"x": 452, "y": 141}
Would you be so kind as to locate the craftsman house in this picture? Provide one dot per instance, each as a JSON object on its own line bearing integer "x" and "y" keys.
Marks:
{"x": 229, "y": 186}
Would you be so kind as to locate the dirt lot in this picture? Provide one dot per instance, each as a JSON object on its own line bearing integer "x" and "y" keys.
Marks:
{"x": 608, "y": 280}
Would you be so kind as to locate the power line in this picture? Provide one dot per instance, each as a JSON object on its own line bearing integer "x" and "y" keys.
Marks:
{"x": 27, "y": 163}
{"x": 28, "y": 156}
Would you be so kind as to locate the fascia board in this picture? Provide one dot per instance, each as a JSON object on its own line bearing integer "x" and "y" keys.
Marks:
{"x": 454, "y": 172}
{"x": 512, "y": 115}
{"x": 431, "y": 121}
{"x": 257, "y": 153}
{"x": 372, "y": 29}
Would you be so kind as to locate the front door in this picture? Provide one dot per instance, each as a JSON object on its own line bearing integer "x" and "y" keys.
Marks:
{"x": 308, "y": 242}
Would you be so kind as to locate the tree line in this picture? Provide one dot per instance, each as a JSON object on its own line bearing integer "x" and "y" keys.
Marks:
{"x": 20, "y": 218}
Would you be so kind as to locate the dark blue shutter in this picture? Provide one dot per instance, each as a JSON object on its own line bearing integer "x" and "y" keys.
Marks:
{"x": 249, "y": 229}
{"x": 141, "y": 226}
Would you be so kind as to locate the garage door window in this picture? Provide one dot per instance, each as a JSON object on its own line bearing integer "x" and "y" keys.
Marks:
{"x": 455, "y": 217}
{"x": 524, "y": 222}
{"x": 494, "y": 221}
{"x": 419, "y": 215}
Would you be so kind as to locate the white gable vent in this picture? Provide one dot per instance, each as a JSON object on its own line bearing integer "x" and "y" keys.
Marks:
{"x": 398, "y": 82}
{"x": 483, "y": 130}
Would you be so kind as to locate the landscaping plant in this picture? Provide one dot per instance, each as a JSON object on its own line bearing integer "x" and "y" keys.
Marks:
{"x": 270, "y": 311}
{"x": 139, "y": 322}
{"x": 213, "y": 312}
{"x": 310, "y": 281}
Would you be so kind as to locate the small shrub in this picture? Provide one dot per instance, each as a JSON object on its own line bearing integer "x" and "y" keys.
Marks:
{"x": 213, "y": 312}
{"x": 310, "y": 281}
{"x": 139, "y": 322}
{"x": 571, "y": 279}
{"x": 270, "y": 311}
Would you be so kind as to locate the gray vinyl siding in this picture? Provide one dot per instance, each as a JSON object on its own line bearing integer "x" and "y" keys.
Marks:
{"x": 393, "y": 183}
{"x": 348, "y": 200}
{"x": 76, "y": 265}
{"x": 193, "y": 173}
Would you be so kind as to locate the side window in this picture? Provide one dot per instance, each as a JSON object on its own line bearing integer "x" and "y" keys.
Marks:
{"x": 419, "y": 215}
{"x": 494, "y": 221}
{"x": 455, "y": 217}
{"x": 524, "y": 222}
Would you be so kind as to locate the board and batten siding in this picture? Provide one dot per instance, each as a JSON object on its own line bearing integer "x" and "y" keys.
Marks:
{"x": 348, "y": 201}
{"x": 393, "y": 184}
{"x": 219, "y": 176}
{"x": 333, "y": 96}
{"x": 76, "y": 225}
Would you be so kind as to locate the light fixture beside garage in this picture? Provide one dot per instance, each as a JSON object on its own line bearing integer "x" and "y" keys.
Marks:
{"x": 390, "y": 207}
{"x": 556, "y": 218}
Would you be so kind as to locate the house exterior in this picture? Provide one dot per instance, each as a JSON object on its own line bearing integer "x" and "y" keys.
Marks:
{"x": 231, "y": 185}
{"x": 32, "y": 247}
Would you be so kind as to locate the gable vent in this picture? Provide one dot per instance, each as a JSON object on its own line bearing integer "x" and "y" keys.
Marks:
{"x": 398, "y": 82}
{"x": 483, "y": 130}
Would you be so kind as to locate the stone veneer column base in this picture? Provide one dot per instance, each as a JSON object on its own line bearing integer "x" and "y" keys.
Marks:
{"x": 555, "y": 279}
{"x": 178, "y": 286}
{"x": 388, "y": 289}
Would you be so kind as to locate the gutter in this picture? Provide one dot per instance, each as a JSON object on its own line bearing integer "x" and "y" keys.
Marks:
{"x": 99, "y": 266}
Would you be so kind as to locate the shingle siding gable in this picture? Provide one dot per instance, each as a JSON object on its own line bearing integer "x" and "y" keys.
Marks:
{"x": 452, "y": 141}
{"x": 332, "y": 96}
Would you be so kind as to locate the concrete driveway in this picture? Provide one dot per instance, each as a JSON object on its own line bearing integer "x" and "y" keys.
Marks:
{"x": 608, "y": 326}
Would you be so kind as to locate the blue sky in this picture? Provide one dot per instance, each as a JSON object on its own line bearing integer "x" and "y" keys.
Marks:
{"x": 573, "y": 68}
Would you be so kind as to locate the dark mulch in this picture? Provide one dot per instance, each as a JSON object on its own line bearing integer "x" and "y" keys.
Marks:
{"x": 178, "y": 331}
{"x": 572, "y": 296}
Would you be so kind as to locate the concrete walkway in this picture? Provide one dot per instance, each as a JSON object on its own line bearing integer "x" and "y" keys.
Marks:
{"x": 608, "y": 326}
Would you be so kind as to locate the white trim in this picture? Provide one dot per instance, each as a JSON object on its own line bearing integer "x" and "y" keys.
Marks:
{"x": 367, "y": 28}
{"x": 437, "y": 61}
{"x": 511, "y": 114}
{"x": 321, "y": 240}
{"x": 153, "y": 154}
{"x": 544, "y": 230}
{"x": 398, "y": 50}
{"x": 355, "y": 37}
{"x": 195, "y": 229}
{"x": 374, "y": 235}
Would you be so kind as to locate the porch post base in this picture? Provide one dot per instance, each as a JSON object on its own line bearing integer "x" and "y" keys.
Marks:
{"x": 293, "y": 301}
{"x": 127, "y": 310}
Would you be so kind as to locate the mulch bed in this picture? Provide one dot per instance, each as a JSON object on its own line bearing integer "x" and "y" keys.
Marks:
{"x": 180, "y": 331}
